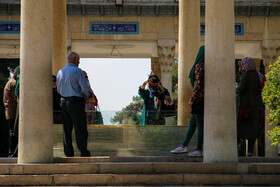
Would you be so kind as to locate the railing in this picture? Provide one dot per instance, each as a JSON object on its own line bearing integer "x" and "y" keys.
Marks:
{"x": 129, "y": 138}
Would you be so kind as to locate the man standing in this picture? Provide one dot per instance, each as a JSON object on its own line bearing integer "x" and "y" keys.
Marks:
{"x": 73, "y": 88}
{"x": 10, "y": 103}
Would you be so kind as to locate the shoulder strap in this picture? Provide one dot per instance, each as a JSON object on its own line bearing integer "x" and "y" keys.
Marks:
{"x": 16, "y": 119}
{"x": 97, "y": 108}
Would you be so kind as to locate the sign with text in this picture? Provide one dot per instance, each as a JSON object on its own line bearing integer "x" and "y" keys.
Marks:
{"x": 238, "y": 29}
{"x": 114, "y": 27}
{"x": 9, "y": 27}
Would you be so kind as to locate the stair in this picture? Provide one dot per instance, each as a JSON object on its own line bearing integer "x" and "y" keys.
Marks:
{"x": 139, "y": 171}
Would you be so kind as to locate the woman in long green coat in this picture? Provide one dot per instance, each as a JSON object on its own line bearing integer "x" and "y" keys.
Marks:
{"x": 249, "y": 94}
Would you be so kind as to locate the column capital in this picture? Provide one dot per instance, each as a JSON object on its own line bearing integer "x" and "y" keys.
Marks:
{"x": 270, "y": 50}
{"x": 155, "y": 66}
{"x": 166, "y": 42}
{"x": 166, "y": 53}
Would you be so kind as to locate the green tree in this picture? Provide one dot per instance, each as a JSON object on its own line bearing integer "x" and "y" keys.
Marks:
{"x": 175, "y": 81}
{"x": 271, "y": 97}
{"x": 131, "y": 114}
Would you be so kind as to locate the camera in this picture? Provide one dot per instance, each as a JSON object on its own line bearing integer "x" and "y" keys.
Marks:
{"x": 155, "y": 80}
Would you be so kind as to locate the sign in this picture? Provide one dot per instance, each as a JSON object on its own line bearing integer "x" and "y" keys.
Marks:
{"x": 114, "y": 27}
{"x": 238, "y": 29}
{"x": 9, "y": 27}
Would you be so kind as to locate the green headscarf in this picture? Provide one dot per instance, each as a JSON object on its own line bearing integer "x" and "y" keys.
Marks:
{"x": 199, "y": 59}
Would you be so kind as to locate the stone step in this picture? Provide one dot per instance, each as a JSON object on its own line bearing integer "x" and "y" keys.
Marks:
{"x": 139, "y": 179}
{"x": 173, "y": 158}
{"x": 140, "y": 168}
{"x": 177, "y": 170}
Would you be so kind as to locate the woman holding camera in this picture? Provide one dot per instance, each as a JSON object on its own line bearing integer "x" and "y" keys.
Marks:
{"x": 154, "y": 99}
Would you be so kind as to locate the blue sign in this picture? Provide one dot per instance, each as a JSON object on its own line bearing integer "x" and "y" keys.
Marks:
{"x": 114, "y": 27}
{"x": 238, "y": 29}
{"x": 9, "y": 27}
{"x": 202, "y": 28}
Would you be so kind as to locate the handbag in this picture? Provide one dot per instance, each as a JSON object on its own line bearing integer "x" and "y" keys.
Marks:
{"x": 96, "y": 101}
{"x": 168, "y": 110}
{"x": 198, "y": 105}
{"x": 245, "y": 112}
{"x": 98, "y": 120}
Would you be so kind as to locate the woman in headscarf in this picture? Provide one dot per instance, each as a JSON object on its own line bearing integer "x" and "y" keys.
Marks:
{"x": 196, "y": 76}
{"x": 154, "y": 99}
{"x": 249, "y": 94}
{"x": 90, "y": 104}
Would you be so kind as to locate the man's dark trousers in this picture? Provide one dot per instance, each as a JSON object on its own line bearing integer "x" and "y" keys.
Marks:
{"x": 73, "y": 115}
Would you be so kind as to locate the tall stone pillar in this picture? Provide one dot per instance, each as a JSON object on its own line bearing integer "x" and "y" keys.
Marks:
{"x": 166, "y": 53}
{"x": 270, "y": 51}
{"x": 35, "y": 103}
{"x": 189, "y": 42}
{"x": 155, "y": 66}
{"x": 220, "y": 132}
{"x": 59, "y": 22}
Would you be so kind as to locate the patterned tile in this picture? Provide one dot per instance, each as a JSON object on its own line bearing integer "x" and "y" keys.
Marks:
{"x": 9, "y": 27}
{"x": 238, "y": 29}
{"x": 114, "y": 27}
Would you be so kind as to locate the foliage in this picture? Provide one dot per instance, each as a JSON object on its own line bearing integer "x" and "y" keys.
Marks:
{"x": 131, "y": 114}
{"x": 271, "y": 97}
{"x": 175, "y": 82}
{"x": 238, "y": 70}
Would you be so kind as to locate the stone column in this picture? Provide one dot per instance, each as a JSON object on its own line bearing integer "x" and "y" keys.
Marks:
{"x": 166, "y": 53}
{"x": 270, "y": 51}
{"x": 220, "y": 141}
{"x": 189, "y": 42}
{"x": 59, "y": 21}
{"x": 155, "y": 66}
{"x": 35, "y": 106}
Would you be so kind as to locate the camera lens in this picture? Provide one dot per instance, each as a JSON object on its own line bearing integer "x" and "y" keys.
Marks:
{"x": 155, "y": 80}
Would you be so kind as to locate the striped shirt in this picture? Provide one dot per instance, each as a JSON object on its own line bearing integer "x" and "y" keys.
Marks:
{"x": 10, "y": 99}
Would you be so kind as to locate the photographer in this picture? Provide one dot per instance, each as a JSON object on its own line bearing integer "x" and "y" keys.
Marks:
{"x": 155, "y": 97}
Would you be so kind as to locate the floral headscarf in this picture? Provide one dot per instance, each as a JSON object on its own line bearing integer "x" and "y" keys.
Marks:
{"x": 248, "y": 64}
{"x": 199, "y": 59}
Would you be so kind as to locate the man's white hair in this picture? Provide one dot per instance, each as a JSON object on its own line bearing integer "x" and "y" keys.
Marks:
{"x": 72, "y": 55}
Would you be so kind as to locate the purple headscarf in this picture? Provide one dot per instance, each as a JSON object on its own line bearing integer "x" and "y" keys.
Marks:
{"x": 248, "y": 64}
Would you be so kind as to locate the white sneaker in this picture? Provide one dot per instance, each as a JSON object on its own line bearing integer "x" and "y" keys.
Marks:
{"x": 195, "y": 152}
{"x": 180, "y": 149}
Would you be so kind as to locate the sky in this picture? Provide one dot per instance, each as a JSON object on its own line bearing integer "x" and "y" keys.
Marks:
{"x": 115, "y": 80}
